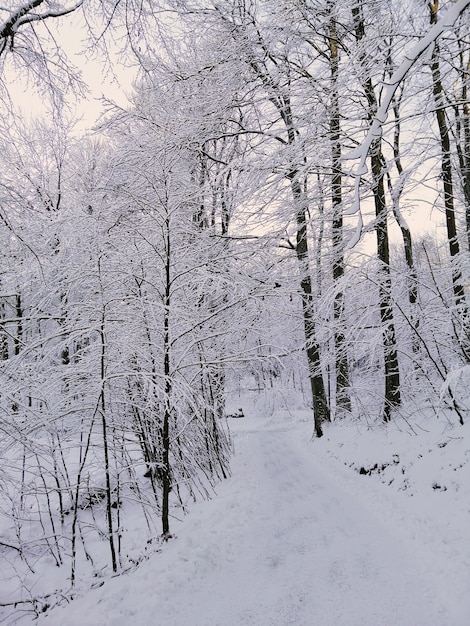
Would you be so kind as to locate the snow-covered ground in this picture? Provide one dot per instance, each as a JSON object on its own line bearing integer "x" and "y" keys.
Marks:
{"x": 297, "y": 537}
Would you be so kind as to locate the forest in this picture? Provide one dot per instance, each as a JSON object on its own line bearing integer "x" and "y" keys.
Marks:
{"x": 280, "y": 208}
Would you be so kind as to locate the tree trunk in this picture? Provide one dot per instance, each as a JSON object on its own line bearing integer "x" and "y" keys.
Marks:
{"x": 446, "y": 168}
{"x": 104, "y": 425}
{"x": 343, "y": 401}
{"x": 104, "y": 432}
{"x": 165, "y": 470}
{"x": 392, "y": 372}
{"x": 392, "y": 396}
{"x": 462, "y": 123}
{"x": 321, "y": 410}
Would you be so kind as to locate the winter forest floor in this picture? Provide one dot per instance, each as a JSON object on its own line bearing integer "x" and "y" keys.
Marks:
{"x": 297, "y": 537}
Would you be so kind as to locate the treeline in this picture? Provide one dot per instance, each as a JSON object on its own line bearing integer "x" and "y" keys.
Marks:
{"x": 218, "y": 230}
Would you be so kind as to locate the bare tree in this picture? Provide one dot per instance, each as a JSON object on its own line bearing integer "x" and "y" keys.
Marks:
{"x": 276, "y": 74}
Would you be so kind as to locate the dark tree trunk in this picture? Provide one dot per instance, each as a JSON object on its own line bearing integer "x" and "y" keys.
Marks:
{"x": 102, "y": 411}
{"x": 166, "y": 470}
{"x": 392, "y": 372}
{"x": 392, "y": 396}
{"x": 462, "y": 125}
{"x": 104, "y": 426}
{"x": 446, "y": 167}
{"x": 321, "y": 410}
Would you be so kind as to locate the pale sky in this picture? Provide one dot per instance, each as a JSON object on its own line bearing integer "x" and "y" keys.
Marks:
{"x": 103, "y": 81}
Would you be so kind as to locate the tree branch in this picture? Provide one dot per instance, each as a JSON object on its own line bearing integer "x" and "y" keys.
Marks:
{"x": 390, "y": 88}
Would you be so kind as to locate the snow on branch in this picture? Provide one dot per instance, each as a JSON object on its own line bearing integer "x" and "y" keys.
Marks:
{"x": 375, "y": 130}
{"x": 25, "y": 15}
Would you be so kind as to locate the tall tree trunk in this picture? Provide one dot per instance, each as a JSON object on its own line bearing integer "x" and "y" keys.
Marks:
{"x": 321, "y": 410}
{"x": 392, "y": 396}
{"x": 462, "y": 122}
{"x": 166, "y": 470}
{"x": 446, "y": 167}
{"x": 104, "y": 429}
{"x": 392, "y": 372}
{"x": 343, "y": 401}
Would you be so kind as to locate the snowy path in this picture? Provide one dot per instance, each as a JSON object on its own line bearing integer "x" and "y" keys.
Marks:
{"x": 281, "y": 544}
